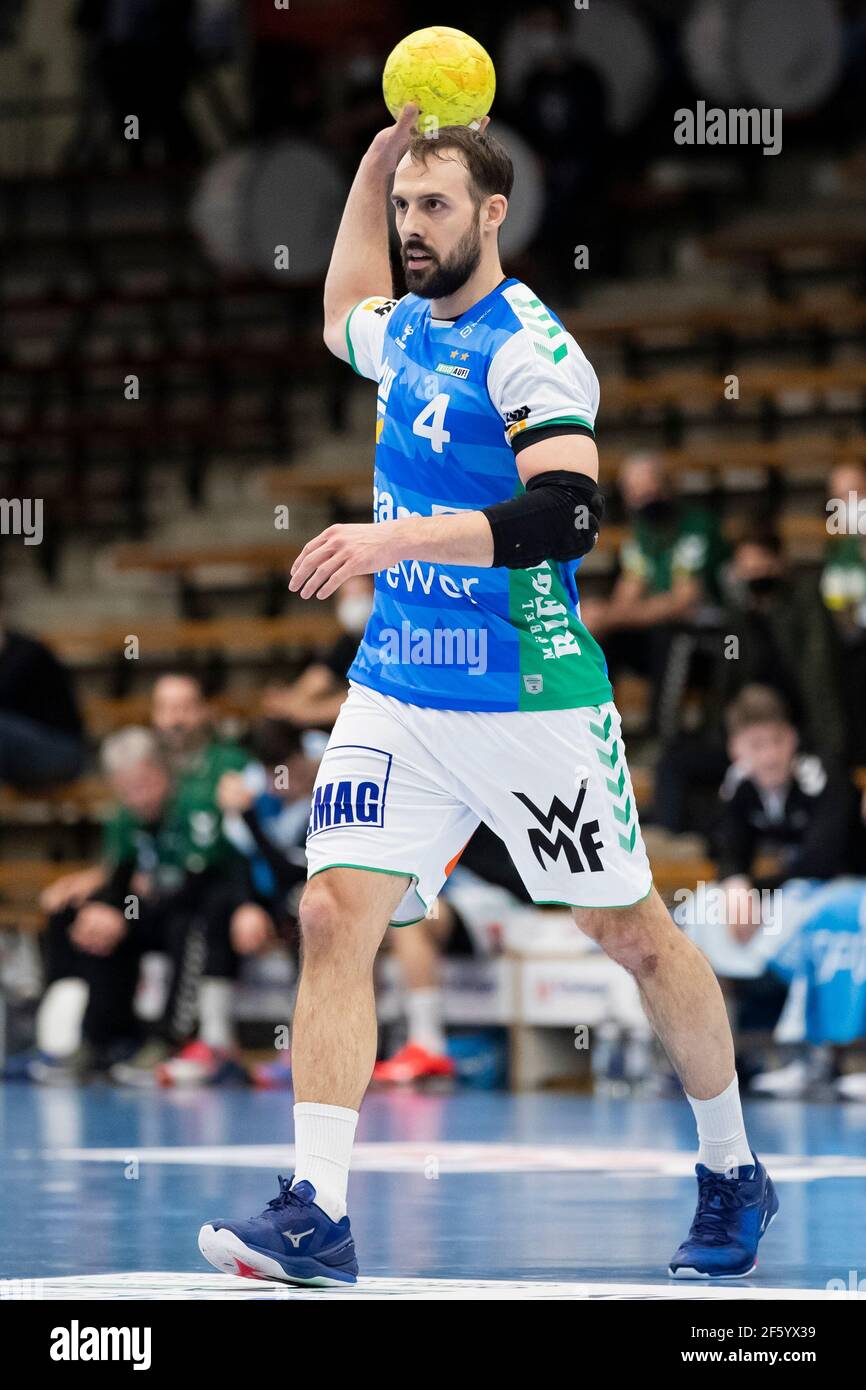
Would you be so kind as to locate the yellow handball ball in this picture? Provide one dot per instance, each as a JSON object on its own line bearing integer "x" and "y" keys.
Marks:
{"x": 444, "y": 72}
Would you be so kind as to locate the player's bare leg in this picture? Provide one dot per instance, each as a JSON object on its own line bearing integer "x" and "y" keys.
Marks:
{"x": 344, "y": 914}
{"x": 684, "y": 1004}
{"x": 303, "y": 1235}
{"x": 680, "y": 992}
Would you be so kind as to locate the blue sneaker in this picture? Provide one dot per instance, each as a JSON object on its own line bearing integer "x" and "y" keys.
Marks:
{"x": 732, "y": 1215}
{"x": 293, "y": 1241}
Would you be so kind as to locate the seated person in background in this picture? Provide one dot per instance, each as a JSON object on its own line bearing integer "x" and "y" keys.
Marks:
{"x": 196, "y": 758}
{"x": 843, "y": 590}
{"x": 798, "y": 815}
{"x": 314, "y": 699}
{"x": 171, "y": 886}
{"x": 780, "y": 803}
{"x": 266, "y": 813}
{"x": 182, "y": 720}
{"x": 41, "y": 733}
{"x": 669, "y": 569}
{"x": 773, "y": 631}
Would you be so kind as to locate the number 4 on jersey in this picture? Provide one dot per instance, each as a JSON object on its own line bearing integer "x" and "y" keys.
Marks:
{"x": 434, "y": 411}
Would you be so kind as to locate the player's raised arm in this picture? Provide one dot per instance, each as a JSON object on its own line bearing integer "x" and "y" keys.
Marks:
{"x": 360, "y": 266}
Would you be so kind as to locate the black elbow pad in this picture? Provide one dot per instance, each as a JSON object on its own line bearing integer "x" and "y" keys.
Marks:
{"x": 556, "y": 518}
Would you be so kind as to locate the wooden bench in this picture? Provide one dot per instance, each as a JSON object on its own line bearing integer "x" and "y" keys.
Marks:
{"x": 21, "y": 882}
{"x": 104, "y": 715}
{"x": 61, "y": 805}
{"x": 261, "y": 557}
{"x": 703, "y": 320}
{"x": 804, "y": 535}
{"x": 772, "y": 237}
{"x": 164, "y": 640}
{"x": 685, "y": 389}
{"x": 353, "y": 486}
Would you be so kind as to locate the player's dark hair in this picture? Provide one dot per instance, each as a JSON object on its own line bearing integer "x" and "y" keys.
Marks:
{"x": 489, "y": 164}
{"x": 756, "y": 704}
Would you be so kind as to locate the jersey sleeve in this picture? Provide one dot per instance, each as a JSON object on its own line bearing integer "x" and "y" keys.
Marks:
{"x": 365, "y": 334}
{"x": 542, "y": 386}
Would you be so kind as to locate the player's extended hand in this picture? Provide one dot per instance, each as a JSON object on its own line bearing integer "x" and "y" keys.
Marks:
{"x": 389, "y": 146}
{"x": 339, "y": 553}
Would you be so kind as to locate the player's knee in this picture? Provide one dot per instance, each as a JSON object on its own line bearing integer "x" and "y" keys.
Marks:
{"x": 626, "y": 937}
{"x": 322, "y": 916}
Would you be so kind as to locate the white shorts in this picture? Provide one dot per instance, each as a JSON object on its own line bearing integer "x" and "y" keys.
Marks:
{"x": 401, "y": 789}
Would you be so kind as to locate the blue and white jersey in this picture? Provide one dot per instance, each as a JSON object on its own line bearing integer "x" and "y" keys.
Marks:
{"x": 457, "y": 399}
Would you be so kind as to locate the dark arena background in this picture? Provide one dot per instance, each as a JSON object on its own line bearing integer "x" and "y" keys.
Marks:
{"x": 690, "y": 198}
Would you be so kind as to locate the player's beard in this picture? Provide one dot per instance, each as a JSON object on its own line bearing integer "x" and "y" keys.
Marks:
{"x": 444, "y": 278}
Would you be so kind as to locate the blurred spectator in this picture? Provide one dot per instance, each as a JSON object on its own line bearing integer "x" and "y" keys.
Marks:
{"x": 314, "y": 699}
{"x": 788, "y": 822}
{"x": 783, "y": 639}
{"x": 140, "y": 54}
{"x": 362, "y": 110}
{"x": 773, "y": 631}
{"x": 41, "y": 733}
{"x": 266, "y": 812}
{"x": 162, "y": 893}
{"x": 181, "y": 717}
{"x": 560, "y": 105}
{"x": 296, "y": 53}
{"x": 669, "y": 570}
{"x": 780, "y": 803}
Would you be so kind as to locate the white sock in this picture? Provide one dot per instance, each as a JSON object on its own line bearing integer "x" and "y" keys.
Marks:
{"x": 424, "y": 1019}
{"x": 722, "y": 1130}
{"x": 324, "y": 1135}
{"x": 215, "y": 1022}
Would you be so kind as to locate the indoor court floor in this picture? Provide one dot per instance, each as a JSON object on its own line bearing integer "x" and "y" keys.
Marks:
{"x": 471, "y": 1195}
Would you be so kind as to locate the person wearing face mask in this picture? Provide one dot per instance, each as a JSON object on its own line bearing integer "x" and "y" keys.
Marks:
{"x": 314, "y": 699}
{"x": 669, "y": 570}
{"x": 773, "y": 631}
{"x": 784, "y": 640}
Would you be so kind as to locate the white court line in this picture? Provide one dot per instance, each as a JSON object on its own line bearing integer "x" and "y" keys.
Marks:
{"x": 448, "y": 1156}
{"x": 160, "y": 1286}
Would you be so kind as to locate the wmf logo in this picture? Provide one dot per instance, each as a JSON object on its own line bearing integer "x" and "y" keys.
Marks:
{"x": 543, "y": 841}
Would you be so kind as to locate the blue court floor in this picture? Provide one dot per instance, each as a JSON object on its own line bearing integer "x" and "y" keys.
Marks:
{"x": 470, "y": 1195}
